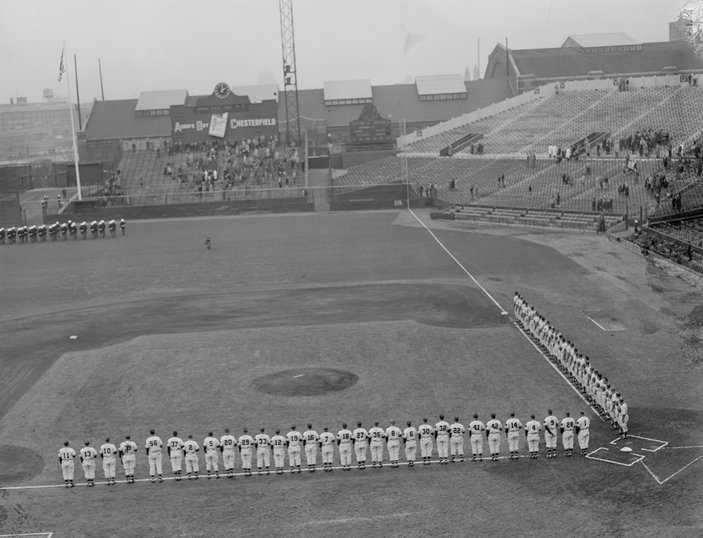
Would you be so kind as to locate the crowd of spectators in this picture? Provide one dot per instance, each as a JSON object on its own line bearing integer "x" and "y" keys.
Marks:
{"x": 671, "y": 248}
{"x": 593, "y": 385}
{"x": 644, "y": 141}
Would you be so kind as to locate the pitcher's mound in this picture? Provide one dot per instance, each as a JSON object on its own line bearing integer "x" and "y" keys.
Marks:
{"x": 18, "y": 464}
{"x": 305, "y": 381}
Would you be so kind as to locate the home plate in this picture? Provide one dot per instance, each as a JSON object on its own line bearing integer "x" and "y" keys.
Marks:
{"x": 626, "y": 449}
{"x": 73, "y": 337}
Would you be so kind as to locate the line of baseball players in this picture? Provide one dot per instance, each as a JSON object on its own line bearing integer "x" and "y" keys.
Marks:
{"x": 592, "y": 384}
{"x": 39, "y": 234}
{"x": 448, "y": 438}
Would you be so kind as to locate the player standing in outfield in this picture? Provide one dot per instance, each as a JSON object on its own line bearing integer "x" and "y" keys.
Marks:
{"x": 493, "y": 430}
{"x": 293, "y": 440}
{"x": 360, "y": 440}
{"x": 279, "y": 451}
{"x": 174, "y": 447}
{"x": 377, "y": 434}
{"x": 263, "y": 450}
{"x": 246, "y": 443}
{"x": 327, "y": 446}
{"x": 567, "y": 434}
{"x": 582, "y": 426}
{"x": 441, "y": 431}
{"x": 88, "y": 455}
{"x": 532, "y": 429}
{"x": 344, "y": 441}
{"x": 456, "y": 441}
{"x": 66, "y": 457}
{"x": 310, "y": 441}
{"x": 512, "y": 429}
{"x": 551, "y": 423}
{"x": 426, "y": 433}
{"x": 227, "y": 444}
{"x": 393, "y": 435}
{"x": 476, "y": 429}
{"x": 153, "y": 452}
{"x": 211, "y": 444}
{"x": 107, "y": 454}
{"x": 128, "y": 454}
{"x": 191, "y": 449}
{"x": 410, "y": 442}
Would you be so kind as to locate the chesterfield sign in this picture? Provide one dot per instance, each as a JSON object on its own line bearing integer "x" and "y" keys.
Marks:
{"x": 233, "y": 124}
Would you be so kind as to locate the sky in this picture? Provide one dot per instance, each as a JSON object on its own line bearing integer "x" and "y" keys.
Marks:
{"x": 181, "y": 44}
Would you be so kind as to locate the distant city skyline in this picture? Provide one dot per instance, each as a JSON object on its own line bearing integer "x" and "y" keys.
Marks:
{"x": 159, "y": 45}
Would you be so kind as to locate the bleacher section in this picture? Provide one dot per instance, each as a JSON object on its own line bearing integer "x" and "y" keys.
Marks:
{"x": 681, "y": 243}
{"x": 532, "y": 218}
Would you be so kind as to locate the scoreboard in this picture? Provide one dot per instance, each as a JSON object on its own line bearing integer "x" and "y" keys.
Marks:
{"x": 371, "y": 128}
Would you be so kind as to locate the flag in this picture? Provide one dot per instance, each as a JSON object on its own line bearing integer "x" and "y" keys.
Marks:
{"x": 62, "y": 67}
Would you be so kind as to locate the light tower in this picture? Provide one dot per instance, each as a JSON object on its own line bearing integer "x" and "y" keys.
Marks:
{"x": 290, "y": 74}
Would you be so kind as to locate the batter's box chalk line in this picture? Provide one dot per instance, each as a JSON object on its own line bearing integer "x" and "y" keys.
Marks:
{"x": 659, "y": 444}
{"x": 36, "y": 534}
{"x": 603, "y": 456}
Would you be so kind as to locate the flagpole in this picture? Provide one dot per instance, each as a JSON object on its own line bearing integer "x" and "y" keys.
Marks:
{"x": 73, "y": 130}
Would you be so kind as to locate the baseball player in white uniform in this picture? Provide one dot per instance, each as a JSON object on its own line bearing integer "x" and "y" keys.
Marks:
{"x": 227, "y": 444}
{"x": 623, "y": 418}
{"x": 153, "y": 450}
{"x": 263, "y": 451}
{"x": 211, "y": 445}
{"x": 246, "y": 444}
{"x": 441, "y": 431}
{"x": 410, "y": 442}
{"x": 551, "y": 423}
{"x": 476, "y": 429}
{"x": 278, "y": 442}
{"x": 191, "y": 449}
{"x": 66, "y": 457}
{"x": 583, "y": 424}
{"x": 174, "y": 447}
{"x": 327, "y": 446}
{"x": 88, "y": 455}
{"x": 426, "y": 433}
{"x": 294, "y": 440}
{"x": 128, "y": 453}
{"x": 456, "y": 440}
{"x": 513, "y": 426}
{"x": 493, "y": 430}
{"x": 360, "y": 439}
{"x": 108, "y": 452}
{"x": 344, "y": 442}
{"x": 393, "y": 435}
{"x": 377, "y": 435}
{"x": 532, "y": 429}
{"x": 567, "y": 434}
{"x": 311, "y": 440}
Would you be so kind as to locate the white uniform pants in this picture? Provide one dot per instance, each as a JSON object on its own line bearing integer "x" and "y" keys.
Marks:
{"x": 550, "y": 440}
{"x": 294, "y": 456}
{"x": 191, "y": 463}
{"x": 327, "y": 453}
{"x": 263, "y": 457}
{"x": 155, "y": 463}
{"x": 494, "y": 443}
{"x": 476, "y": 444}
{"x": 345, "y": 453}
{"x": 393, "y": 450}
{"x": 456, "y": 445}
{"x": 311, "y": 453}
{"x": 426, "y": 447}
{"x": 567, "y": 439}
{"x": 128, "y": 463}
{"x": 109, "y": 467}
{"x": 211, "y": 461}
{"x": 176, "y": 461}
{"x": 533, "y": 443}
{"x": 67, "y": 469}
{"x": 279, "y": 457}
{"x": 443, "y": 446}
{"x": 410, "y": 450}
{"x": 360, "y": 451}
{"x": 89, "y": 469}
{"x": 246, "y": 458}
{"x": 228, "y": 459}
{"x": 583, "y": 436}
{"x": 377, "y": 452}
{"x": 513, "y": 441}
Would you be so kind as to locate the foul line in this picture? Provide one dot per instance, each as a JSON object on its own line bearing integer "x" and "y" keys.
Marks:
{"x": 650, "y": 472}
{"x": 223, "y": 476}
{"x": 598, "y": 324}
{"x": 502, "y": 311}
{"x": 682, "y": 468}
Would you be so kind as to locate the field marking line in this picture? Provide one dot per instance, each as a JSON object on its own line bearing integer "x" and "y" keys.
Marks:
{"x": 650, "y": 472}
{"x": 694, "y": 446}
{"x": 590, "y": 456}
{"x": 299, "y": 375}
{"x": 386, "y": 465}
{"x": 502, "y": 310}
{"x": 682, "y": 468}
{"x": 45, "y": 534}
{"x": 356, "y": 519}
{"x": 661, "y": 442}
{"x": 577, "y": 391}
{"x": 598, "y": 324}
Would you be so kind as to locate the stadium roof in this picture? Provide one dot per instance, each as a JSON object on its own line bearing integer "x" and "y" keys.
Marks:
{"x": 335, "y": 90}
{"x": 615, "y": 39}
{"x": 257, "y": 93}
{"x": 115, "y": 120}
{"x": 439, "y": 84}
{"x": 160, "y": 100}
{"x": 567, "y": 62}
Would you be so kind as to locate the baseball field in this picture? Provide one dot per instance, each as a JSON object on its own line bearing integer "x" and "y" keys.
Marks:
{"x": 328, "y": 318}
